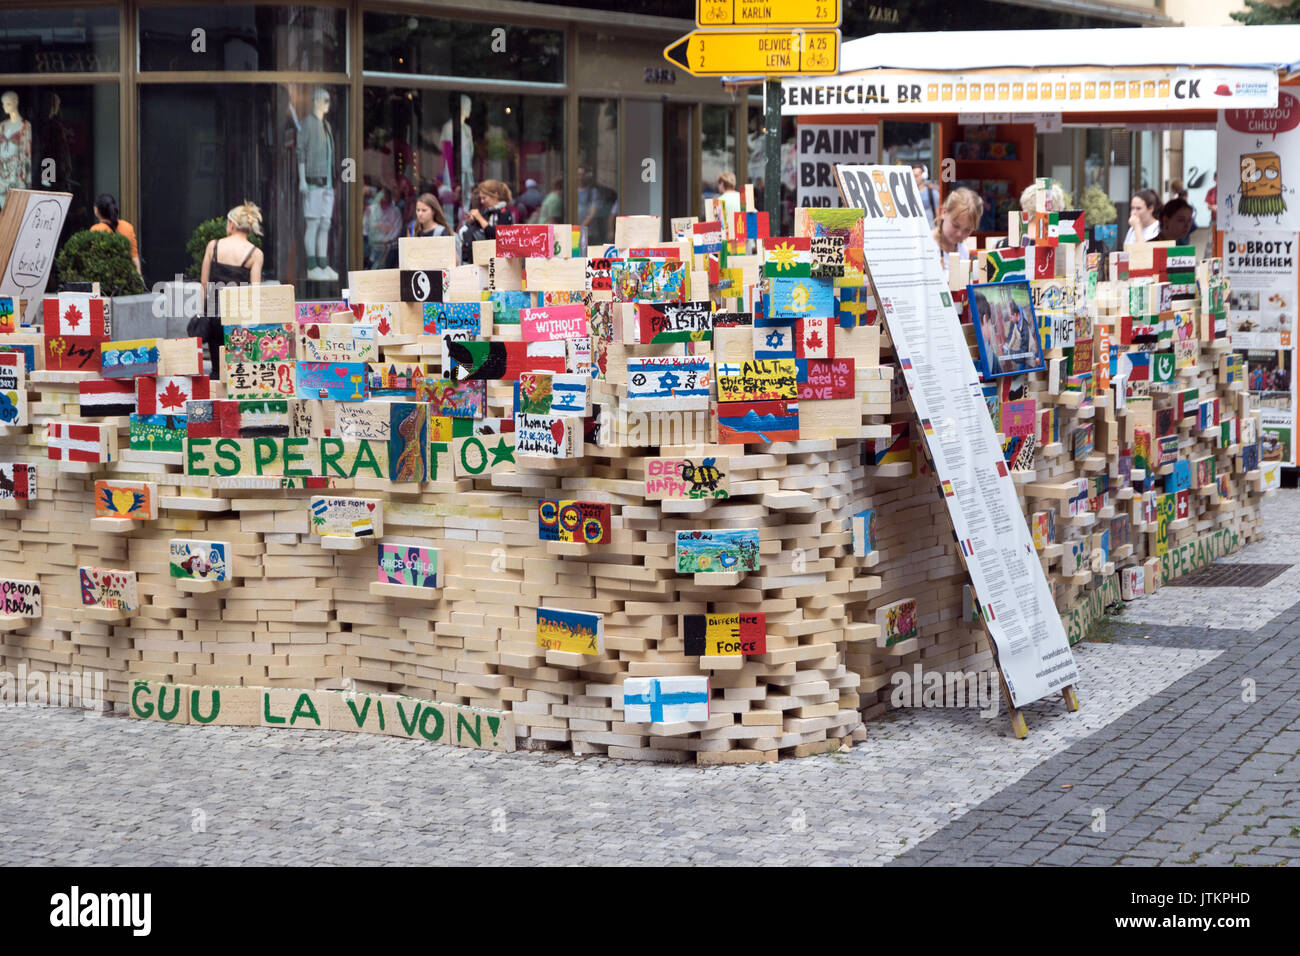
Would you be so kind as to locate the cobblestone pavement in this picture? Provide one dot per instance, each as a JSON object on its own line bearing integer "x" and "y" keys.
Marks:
{"x": 1198, "y": 774}
{"x": 1164, "y": 744}
{"x": 1204, "y": 772}
{"x": 110, "y": 790}
{"x": 1233, "y": 608}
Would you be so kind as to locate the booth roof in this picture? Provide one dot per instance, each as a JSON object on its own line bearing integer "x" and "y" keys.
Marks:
{"x": 1272, "y": 47}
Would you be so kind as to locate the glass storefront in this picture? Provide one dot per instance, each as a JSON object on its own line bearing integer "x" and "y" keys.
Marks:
{"x": 411, "y": 149}
{"x": 597, "y": 183}
{"x": 717, "y": 149}
{"x": 67, "y": 40}
{"x": 280, "y": 146}
{"x": 61, "y": 134}
{"x": 224, "y": 37}
{"x": 465, "y": 49}
{"x": 334, "y": 117}
{"x": 70, "y": 145}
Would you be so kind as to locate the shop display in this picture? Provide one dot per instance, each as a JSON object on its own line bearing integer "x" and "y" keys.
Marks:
{"x": 15, "y": 147}
{"x": 316, "y": 152}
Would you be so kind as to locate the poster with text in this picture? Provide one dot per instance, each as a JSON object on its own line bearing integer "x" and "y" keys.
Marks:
{"x": 1259, "y": 167}
{"x": 1262, "y": 268}
{"x": 821, "y": 148}
{"x": 903, "y": 260}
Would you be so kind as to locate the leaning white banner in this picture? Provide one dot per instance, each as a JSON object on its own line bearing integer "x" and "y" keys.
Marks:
{"x": 903, "y": 260}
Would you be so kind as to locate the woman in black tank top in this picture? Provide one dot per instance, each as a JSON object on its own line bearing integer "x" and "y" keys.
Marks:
{"x": 240, "y": 221}
{"x": 218, "y": 271}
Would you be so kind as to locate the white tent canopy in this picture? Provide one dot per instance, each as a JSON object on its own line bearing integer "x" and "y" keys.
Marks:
{"x": 1269, "y": 47}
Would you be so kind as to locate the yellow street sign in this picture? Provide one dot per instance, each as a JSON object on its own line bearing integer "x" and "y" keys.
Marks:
{"x": 767, "y": 13}
{"x": 752, "y": 53}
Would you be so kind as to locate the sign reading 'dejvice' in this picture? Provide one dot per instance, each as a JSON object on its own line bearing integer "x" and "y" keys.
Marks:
{"x": 756, "y": 53}
{"x": 903, "y": 259}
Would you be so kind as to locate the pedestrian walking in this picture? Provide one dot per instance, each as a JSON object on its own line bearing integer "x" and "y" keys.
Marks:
{"x": 110, "y": 221}
{"x": 429, "y": 219}
{"x": 929, "y": 194}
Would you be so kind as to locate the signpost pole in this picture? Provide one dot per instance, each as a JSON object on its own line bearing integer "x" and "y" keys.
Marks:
{"x": 772, "y": 151}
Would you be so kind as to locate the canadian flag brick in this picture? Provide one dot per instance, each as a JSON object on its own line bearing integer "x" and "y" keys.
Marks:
{"x": 167, "y": 394}
{"x": 73, "y": 313}
{"x": 814, "y": 339}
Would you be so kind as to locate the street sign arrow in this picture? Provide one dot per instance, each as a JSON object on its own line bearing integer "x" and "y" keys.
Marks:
{"x": 767, "y": 13}
{"x": 757, "y": 52}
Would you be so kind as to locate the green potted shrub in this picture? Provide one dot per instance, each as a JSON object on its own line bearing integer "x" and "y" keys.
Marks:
{"x": 1098, "y": 210}
{"x": 103, "y": 257}
{"x": 205, "y": 232}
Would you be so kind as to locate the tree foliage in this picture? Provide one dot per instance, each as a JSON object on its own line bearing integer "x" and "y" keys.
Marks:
{"x": 1259, "y": 12}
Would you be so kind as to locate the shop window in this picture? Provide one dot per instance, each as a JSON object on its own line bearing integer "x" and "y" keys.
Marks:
{"x": 657, "y": 145}
{"x": 1056, "y": 158}
{"x": 471, "y": 49}
{"x": 1096, "y": 156}
{"x": 717, "y": 148}
{"x": 411, "y": 149}
{"x": 598, "y": 183}
{"x": 205, "y": 148}
{"x": 222, "y": 37}
{"x": 66, "y": 140}
{"x": 782, "y": 218}
{"x": 64, "y": 40}
{"x": 755, "y": 153}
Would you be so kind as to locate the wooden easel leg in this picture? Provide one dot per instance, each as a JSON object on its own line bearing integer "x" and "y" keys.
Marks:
{"x": 1018, "y": 725}
{"x": 1070, "y": 697}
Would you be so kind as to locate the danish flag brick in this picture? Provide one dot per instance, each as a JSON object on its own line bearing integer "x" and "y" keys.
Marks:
{"x": 89, "y": 443}
{"x": 73, "y": 313}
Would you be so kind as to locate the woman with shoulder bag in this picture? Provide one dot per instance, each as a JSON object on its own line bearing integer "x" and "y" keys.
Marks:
{"x": 494, "y": 197}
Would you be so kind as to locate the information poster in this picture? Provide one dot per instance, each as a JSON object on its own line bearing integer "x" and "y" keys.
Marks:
{"x": 821, "y": 148}
{"x": 1262, "y": 268}
{"x": 903, "y": 260}
{"x": 1259, "y": 167}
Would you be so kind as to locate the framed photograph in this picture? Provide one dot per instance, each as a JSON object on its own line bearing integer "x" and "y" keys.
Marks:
{"x": 1003, "y": 316}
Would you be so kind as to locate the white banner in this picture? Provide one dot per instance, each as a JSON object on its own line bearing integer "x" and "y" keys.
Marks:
{"x": 1030, "y": 91}
{"x": 821, "y": 149}
{"x": 903, "y": 259}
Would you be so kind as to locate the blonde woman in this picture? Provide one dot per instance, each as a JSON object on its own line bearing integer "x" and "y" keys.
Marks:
{"x": 232, "y": 261}
{"x": 959, "y": 217}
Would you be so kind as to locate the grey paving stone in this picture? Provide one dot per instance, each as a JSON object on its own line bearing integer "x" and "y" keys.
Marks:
{"x": 1183, "y": 768}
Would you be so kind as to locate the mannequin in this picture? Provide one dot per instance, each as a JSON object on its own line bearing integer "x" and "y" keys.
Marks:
{"x": 466, "y": 170}
{"x": 15, "y": 148}
{"x": 316, "y": 185}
